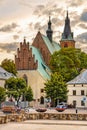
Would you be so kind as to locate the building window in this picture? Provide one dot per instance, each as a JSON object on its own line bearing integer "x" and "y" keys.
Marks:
{"x": 74, "y": 85}
{"x": 74, "y": 92}
{"x": 82, "y": 85}
{"x": 41, "y": 100}
{"x": 82, "y": 103}
{"x": 42, "y": 90}
{"x": 82, "y": 92}
{"x": 74, "y": 103}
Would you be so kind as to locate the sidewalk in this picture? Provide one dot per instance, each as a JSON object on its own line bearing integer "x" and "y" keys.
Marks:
{"x": 56, "y": 122}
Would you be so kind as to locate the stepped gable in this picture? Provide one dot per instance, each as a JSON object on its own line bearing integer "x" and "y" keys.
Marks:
{"x": 24, "y": 59}
{"x": 80, "y": 79}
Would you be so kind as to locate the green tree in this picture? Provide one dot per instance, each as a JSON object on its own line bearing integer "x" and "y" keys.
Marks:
{"x": 2, "y": 94}
{"x": 68, "y": 62}
{"x": 55, "y": 88}
{"x": 15, "y": 87}
{"x": 29, "y": 94}
{"x": 9, "y": 66}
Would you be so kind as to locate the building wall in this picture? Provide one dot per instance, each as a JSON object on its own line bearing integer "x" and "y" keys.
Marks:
{"x": 2, "y": 83}
{"x": 35, "y": 80}
{"x": 78, "y": 97}
{"x": 39, "y": 44}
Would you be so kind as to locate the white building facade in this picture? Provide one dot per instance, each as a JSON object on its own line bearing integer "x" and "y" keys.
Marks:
{"x": 77, "y": 95}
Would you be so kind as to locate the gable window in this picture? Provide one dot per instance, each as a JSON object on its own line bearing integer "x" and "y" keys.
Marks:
{"x": 82, "y": 92}
{"x": 74, "y": 92}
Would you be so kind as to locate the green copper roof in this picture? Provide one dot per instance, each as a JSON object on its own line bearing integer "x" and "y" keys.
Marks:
{"x": 42, "y": 68}
{"x": 51, "y": 46}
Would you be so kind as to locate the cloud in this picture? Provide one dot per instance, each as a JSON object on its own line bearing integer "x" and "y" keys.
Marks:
{"x": 82, "y": 38}
{"x": 8, "y": 28}
{"x": 8, "y": 47}
{"x": 84, "y": 16}
{"x": 82, "y": 25}
{"x": 15, "y": 37}
{"x": 75, "y": 3}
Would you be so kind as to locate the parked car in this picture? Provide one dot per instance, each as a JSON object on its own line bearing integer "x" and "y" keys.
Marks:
{"x": 61, "y": 107}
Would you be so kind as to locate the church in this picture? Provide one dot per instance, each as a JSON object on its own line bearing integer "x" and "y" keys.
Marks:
{"x": 32, "y": 61}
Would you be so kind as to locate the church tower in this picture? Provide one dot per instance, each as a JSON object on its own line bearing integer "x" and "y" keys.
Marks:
{"x": 67, "y": 36}
{"x": 49, "y": 31}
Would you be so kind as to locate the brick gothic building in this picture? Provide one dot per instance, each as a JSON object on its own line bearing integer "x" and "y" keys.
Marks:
{"x": 32, "y": 61}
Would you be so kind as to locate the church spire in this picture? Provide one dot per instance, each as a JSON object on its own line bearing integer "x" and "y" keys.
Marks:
{"x": 67, "y": 29}
{"x": 67, "y": 36}
{"x": 49, "y": 30}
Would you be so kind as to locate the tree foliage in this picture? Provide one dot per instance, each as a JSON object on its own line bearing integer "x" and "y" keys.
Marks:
{"x": 29, "y": 94}
{"x": 55, "y": 88}
{"x": 68, "y": 62}
{"x": 16, "y": 87}
{"x": 2, "y": 94}
{"x": 9, "y": 66}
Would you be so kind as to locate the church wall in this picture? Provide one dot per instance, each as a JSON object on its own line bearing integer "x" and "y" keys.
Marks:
{"x": 35, "y": 80}
{"x": 2, "y": 83}
{"x": 39, "y": 43}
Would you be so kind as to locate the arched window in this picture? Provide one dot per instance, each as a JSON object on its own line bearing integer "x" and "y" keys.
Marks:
{"x": 41, "y": 100}
{"x": 26, "y": 79}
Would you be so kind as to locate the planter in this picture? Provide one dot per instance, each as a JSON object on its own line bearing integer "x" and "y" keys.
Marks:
{"x": 41, "y": 109}
{"x": 60, "y": 109}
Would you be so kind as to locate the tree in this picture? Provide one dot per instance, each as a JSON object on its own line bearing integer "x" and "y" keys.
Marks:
{"x": 15, "y": 87}
{"x": 29, "y": 94}
{"x": 56, "y": 88}
{"x": 9, "y": 66}
{"x": 68, "y": 62}
{"x": 2, "y": 94}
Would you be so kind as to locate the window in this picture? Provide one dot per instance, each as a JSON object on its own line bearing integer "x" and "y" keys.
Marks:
{"x": 82, "y": 92}
{"x": 74, "y": 103}
{"x": 74, "y": 92}
{"x": 82, "y": 103}
{"x": 74, "y": 85}
{"x": 42, "y": 90}
{"x": 42, "y": 100}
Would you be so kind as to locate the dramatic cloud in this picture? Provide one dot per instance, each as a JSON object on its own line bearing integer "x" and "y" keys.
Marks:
{"x": 8, "y": 28}
{"x": 82, "y": 38}
{"x": 75, "y": 3}
{"x": 8, "y": 47}
{"x": 84, "y": 16}
{"x": 15, "y": 37}
{"x": 82, "y": 25}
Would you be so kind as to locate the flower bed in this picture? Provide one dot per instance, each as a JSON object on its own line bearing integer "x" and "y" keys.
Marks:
{"x": 41, "y": 109}
{"x": 60, "y": 109}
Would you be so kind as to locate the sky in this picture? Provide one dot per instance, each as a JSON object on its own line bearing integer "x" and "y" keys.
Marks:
{"x": 24, "y": 18}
